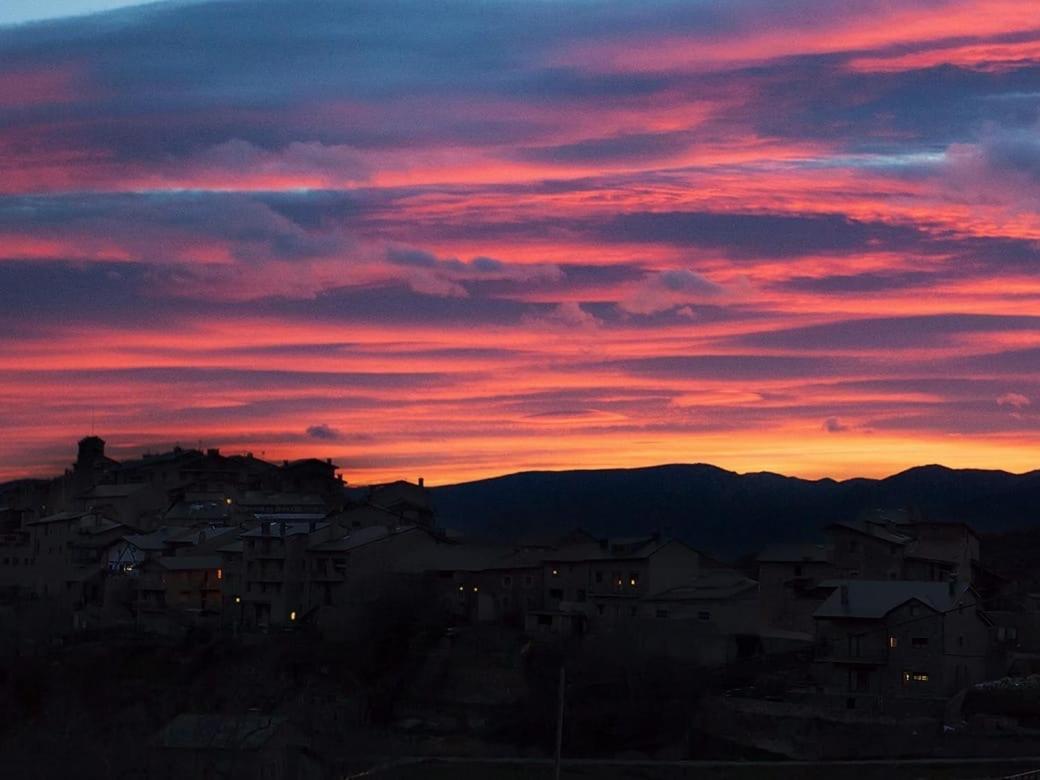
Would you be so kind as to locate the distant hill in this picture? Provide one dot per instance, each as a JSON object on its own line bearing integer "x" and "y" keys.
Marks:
{"x": 727, "y": 513}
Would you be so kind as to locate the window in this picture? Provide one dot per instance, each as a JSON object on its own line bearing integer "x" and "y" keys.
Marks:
{"x": 507, "y": 581}
{"x": 556, "y": 572}
{"x": 633, "y": 579}
{"x": 545, "y": 620}
{"x": 797, "y": 571}
{"x": 859, "y": 680}
{"x": 599, "y": 577}
{"x": 915, "y": 677}
{"x": 528, "y": 581}
{"x": 960, "y": 641}
{"x": 853, "y": 545}
{"x": 919, "y": 641}
{"x": 599, "y": 609}
{"x": 556, "y": 593}
{"x": 632, "y": 611}
{"x": 893, "y": 642}
{"x": 704, "y": 615}
{"x": 581, "y": 594}
{"x": 661, "y": 613}
{"x": 913, "y": 610}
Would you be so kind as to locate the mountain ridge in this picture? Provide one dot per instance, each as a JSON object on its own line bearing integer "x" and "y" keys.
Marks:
{"x": 726, "y": 512}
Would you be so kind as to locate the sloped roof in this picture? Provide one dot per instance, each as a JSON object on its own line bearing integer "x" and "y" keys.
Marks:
{"x": 872, "y": 529}
{"x": 873, "y": 599}
{"x": 156, "y": 540}
{"x": 360, "y": 538}
{"x": 794, "y": 553}
{"x": 116, "y": 491}
{"x": 189, "y": 562}
{"x": 291, "y": 528}
{"x": 716, "y": 584}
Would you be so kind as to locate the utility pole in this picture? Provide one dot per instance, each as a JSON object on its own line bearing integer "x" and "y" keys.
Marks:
{"x": 559, "y": 722}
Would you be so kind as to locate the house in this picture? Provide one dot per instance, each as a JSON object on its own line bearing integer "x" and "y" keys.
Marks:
{"x": 68, "y": 556}
{"x": 313, "y": 476}
{"x": 868, "y": 549}
{"x": 134, "y": 504}
{"x": 274, "y": 568}
{"x": 606, "y": 579}
{"x": 190, "y": 583}
{"x": 248, "y": 746}
{"x": 409, "y": 501}
{"x": 888, "y": 644}
{"x": 789, "y": 577}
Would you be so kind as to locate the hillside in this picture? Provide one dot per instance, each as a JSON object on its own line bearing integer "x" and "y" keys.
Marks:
{"x": 724, "y": 512}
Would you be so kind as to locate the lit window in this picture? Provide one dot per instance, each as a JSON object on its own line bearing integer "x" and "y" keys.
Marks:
{"x": 220, "y": 574}
{"x": 238, "y": 599}
{"x": 921, "y": 677}
{"x": 461, "y": 588}
{"x": 475, "y": 589}
{"x": 556, "y": 572}
{"x": 292, "y": 615}
{"x": 893, "y": 642}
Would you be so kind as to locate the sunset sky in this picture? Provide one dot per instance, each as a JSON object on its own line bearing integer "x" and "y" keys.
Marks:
{"x": 467, "y": 238}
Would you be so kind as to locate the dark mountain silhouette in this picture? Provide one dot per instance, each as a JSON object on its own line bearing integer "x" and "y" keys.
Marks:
{"x": 724, "y": 512}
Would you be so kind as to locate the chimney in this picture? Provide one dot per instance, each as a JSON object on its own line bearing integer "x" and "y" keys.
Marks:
{"x": 845, "y": 595}
{"x": 422, "y": 483}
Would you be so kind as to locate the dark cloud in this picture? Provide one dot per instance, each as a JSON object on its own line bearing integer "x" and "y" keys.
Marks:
{"x": 324, "y": 432}
{"x": 883, "y": 333}
{"x": 758, "y": 235}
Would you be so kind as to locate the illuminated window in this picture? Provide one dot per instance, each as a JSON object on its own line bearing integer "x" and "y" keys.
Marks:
{"x": 461, "y": 588}
{"x": 292, "y": 615}
{"x": 475, "y": 589}
{"x": 893, "y": 642}
{"x": 921, "y": 677}
{"x": 238, "y": 599}
{"x": 556, "y": 572}
{"x": 220, "y": 574}
{"x": 633, "y": 579}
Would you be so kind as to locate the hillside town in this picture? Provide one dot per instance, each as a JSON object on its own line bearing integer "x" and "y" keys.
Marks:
{"x": 890, "y": 619}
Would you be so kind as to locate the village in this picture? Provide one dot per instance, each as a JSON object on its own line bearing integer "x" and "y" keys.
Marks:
{"x": 888, "y": 638}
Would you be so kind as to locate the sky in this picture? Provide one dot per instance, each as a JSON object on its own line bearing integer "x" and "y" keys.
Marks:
{"x": 468, "y": 238}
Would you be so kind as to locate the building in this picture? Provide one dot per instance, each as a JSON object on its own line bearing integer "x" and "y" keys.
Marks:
{"x": 187, "y": 583}
{"x": 884, "y": 644}
{"x": 789, "y": 577}
{"x": 274, "y": 569}
{"x": 68, "y": 556}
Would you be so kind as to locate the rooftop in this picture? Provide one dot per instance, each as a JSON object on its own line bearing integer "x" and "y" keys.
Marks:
{"x": 873, "y": 599}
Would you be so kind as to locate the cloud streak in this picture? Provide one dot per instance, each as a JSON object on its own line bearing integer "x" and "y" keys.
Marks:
{"x": 484, "y": 237}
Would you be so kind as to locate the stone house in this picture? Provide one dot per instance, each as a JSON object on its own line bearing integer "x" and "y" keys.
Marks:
{"x": 883, "y": 643}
